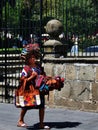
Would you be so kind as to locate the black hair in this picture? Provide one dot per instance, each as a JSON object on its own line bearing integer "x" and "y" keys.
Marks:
{"x": 35, "y": 53}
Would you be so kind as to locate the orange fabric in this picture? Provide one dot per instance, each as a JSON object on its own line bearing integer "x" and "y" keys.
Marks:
{"x": 28, "y": 94}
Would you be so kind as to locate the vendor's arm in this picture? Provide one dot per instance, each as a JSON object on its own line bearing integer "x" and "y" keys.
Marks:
{"x": 33, "y": 75}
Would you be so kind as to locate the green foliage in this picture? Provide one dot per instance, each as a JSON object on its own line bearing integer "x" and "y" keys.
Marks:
{"x": 79, "y": 17}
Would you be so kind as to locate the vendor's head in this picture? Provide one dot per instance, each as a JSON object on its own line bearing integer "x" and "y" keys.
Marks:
{"x": 28, "y": 49}
{"x": 32, "y": 57}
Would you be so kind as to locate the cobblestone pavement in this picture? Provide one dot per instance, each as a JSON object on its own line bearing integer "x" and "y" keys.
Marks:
{"x": 56, "y": 118}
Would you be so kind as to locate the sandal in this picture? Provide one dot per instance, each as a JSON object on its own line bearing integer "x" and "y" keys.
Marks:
{"x": 21, "y": 125}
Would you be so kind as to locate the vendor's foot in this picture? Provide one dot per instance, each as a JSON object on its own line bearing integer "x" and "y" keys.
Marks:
{"x": 21, "y": 124}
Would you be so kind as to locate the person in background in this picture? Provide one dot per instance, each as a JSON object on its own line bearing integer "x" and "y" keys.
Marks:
{"x": 24, "y": 43}
{"x": 74, "y": 49}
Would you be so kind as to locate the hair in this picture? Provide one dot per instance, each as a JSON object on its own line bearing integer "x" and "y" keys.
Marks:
{"x": 34, "y": 53}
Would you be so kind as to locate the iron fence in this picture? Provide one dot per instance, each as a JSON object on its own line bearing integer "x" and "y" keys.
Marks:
{"x": 24, "y": 21}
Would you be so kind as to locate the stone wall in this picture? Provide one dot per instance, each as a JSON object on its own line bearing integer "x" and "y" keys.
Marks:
{"x": 80, "y": 89}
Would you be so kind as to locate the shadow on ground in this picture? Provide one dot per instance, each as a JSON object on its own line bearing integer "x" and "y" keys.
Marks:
{"x": 58, "y": 125}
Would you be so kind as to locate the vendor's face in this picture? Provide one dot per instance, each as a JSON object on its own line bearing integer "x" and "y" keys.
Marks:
{"x": 32, "y": 60}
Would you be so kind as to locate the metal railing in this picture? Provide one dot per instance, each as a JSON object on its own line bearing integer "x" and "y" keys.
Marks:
{"x": 22, "y": 20}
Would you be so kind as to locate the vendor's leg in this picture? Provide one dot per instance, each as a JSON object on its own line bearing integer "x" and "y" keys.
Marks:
{"x": 41, "y": 117}
{"x": 42, "y": 111}
{"x": 22, "y": 115}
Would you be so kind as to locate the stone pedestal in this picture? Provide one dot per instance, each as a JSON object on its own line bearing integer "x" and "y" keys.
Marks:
{"x": 49, "y": 48}
{"x": 54, "y": 47}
